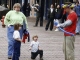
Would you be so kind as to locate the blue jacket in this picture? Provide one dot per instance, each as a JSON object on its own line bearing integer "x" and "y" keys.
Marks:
{"x": 77, "y": 10}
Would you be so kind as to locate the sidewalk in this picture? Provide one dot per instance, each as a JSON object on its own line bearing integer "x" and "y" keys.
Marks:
{"x": 50, "y": 41}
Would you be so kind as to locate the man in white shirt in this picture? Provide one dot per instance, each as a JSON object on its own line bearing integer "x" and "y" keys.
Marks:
{"x": 51, "y": 16}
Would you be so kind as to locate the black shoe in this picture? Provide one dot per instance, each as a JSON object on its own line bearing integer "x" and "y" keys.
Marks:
{"x": 41, "y": 26}
{"x": 9, "y": 57}
{"x": 50, "y": 30}
{"x": 46, "y": 29}
{"x": 77, "y": 33}
{"x": 34, "y": 26}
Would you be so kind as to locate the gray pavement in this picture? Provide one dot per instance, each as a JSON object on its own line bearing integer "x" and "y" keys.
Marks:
{"x": 50, "y": 41}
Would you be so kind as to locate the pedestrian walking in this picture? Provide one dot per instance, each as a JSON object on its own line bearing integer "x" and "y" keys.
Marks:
{"x": 69, "y": 26}
{"x": 28, "y": 9}
{"x": 12, "y": 17}
{"x": 77, "y": 10}
{"x": 51, "y": 16}
{"x": 35, "y": 50}
{"x": 17, "y": 41}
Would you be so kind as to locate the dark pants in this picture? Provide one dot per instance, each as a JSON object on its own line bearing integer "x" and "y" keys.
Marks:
{"x": 34, "y": 54}
{"x": 16, "y": 53}
{"x": 38, "y": 18}
{"x": 50, "y": 22}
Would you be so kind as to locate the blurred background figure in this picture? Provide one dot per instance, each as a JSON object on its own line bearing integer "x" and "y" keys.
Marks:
{"x": 28, "y": 9}
{"x": 51, "y": 16}
{"x": 58, "y": 15}
{"x": 38, "y": 15}
{"x": 77, "y": 10}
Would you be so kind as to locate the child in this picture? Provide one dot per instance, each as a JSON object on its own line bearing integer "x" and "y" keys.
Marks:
{"x": 34, "y": 47}
{"x": 17, "y": 41}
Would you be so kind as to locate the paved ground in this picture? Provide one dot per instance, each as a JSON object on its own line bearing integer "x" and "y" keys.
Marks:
{"x": 50, "y": 41}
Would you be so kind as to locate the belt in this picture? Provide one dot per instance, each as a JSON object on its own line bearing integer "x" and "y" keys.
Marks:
{"x": 13, "y": 25}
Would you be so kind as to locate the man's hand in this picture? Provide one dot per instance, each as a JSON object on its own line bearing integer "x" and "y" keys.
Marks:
{"x": 59, "y": 25}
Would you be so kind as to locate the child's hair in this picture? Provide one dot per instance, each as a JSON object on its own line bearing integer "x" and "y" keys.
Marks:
{"x": 16, "y": 26}
{"x": 34, "y": 37}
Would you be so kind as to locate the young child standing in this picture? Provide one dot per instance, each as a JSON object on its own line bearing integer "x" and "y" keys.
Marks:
{"x": 34, "y": 47}
{"x": 17, "y": 41}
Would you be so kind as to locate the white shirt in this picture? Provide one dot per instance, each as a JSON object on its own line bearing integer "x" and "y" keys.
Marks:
{"x": 51, "y": 10}
{"x": 16, "y": 34}
{"x": 34, "y": 46}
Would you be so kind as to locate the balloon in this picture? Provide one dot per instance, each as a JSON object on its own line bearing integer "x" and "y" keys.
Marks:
{"x": 64, "y": 30}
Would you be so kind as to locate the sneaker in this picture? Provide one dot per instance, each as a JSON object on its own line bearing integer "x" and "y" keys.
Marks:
{"x": 57, "y": 30}
{"x": 32, "y": 59}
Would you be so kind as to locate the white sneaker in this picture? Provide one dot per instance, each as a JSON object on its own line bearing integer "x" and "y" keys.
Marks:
{"x": 57, "y": 29}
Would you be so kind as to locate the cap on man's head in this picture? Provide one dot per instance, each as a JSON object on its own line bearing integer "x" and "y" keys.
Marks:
{"x": 69, "y": 6}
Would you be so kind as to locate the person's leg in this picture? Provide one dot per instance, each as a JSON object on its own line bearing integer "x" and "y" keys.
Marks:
{"x": 78, "y": 26}
{"x": 41, "y": 21}
{"x": 34, "y": 55}
{"x": 51, "y": 26}
{"x": 10, "y": 31}
{"x": 37, "y": 20}
{"x": 41, "y": 53}
{"x": 47, "y": 25}
{"x": 68, "y": 47}
{"x": 16, "y": 54}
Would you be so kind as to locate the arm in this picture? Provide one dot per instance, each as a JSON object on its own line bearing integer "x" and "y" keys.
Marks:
{"x": 48, "y": 14}
{"x": 66, "y": 23}
{"x": 31, "y": 46}
{"x": 25, "y": 19}
{"x": 7, "y": 18}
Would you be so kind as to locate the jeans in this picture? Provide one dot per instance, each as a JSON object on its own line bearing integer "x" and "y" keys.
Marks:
{"x": 16, "y": 53}
{"x": 78, "y": 25}
{"x": 10, "y": 31}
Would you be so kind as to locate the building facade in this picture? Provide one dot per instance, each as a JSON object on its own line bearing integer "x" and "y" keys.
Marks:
{"x": 45, "y": 4}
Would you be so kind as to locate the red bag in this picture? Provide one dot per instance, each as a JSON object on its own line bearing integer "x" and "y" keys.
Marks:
{"x": 25, "y": 36}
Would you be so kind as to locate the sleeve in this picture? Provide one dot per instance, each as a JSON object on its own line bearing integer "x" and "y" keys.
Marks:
{"x": 7, "y": 18}
{"x": 66, "y": 23}
{"x": 31, "y": 44}
{"x": 71, "y": 17}
{"x": 15, "y": 35}
{"x": 24, "y": 17}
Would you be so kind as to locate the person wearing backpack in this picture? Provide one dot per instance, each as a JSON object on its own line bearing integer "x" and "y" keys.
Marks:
{"x": 77, "y": 10}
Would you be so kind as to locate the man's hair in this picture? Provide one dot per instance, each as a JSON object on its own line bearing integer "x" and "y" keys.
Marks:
{"x": 35, "y": 36}
{"x": 16, "y": 26}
